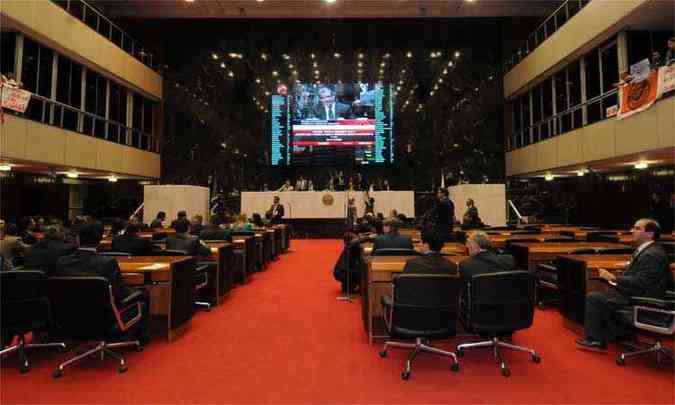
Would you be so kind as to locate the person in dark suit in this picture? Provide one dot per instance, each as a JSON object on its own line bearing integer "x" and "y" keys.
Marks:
{"x": 44, "y": 254}
{"x": 647, "y": 275}
{"x": 182, "y": 216}
{"x": 391, "y": 239}
{"x": 196, "y": 225}
{"x": 131, "y": 243}
{"x": 444, "y": 214}
{"x": 85, "y": 261}
{"x": 25, "y": 226}
{"x": 213, "y": 231}
{"x": 482, "y": 259}
{"x": 159, "y": 219}
{"x": 329, "y": 109}
{"x": 276, "y": 211}
{"x": 432, "y": 262}
{"x": 186, "y": 242}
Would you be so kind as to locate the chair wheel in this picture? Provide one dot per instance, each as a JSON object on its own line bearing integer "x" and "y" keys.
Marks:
{"x": 620, "y": 361}
{"x": 536, "y": 359}
{"x": 460, "y": 353}
{"x": 139, "y": 348}
{"x": 506, "y": 372}
{"x": 383, "y": 353}
{"x": 24, "y": 368}
{"x": 405, "y": 375}
{"x": 57, "y": 373}
{"x": 454, "y": 367}
{"x": 122, "y": 369}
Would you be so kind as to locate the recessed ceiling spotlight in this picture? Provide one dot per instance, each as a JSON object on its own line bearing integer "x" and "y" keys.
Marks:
{"x": 222, "y": 65}
{"x": 230, "y": 73}
{"x": 311, "y": 55}
{"x": 641, "y": 165}
{"x": 189, "y": 1}
{"x": 5, "y": 167}
{"x": 112, "y": 179}
{"x": 360, "y": 56}
{"x": 214, "y": 55}
{"x": 409, "y": 54}
{"x": 275, "y": 73}
{"x": 330, "y": 1}
{"x": 72, "y": 175}
{"x": 549, "y": 177}
{"x": 257, "y": 80}
{"x": 336, "y": 55}
{"x": 457, "y": 54}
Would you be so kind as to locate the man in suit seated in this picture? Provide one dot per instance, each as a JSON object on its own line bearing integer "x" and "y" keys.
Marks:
{"x": 213, "y": 231}
{"x": 130, "y": 243}
{"x": 432, "y": 262}
{"x": 391, "y": 239}
{"x": 158, "y": 222}
{"x": 86, "y": 261}
{"x": 647, "y": 275}
{"x": 196, "y": 225}
{"x": 182, "y": 216}
{"x": 189, "y": 244}
{"x": 44, "y": 254}
{"x": 482, "y": 259}
{"x": 329, "y": 109}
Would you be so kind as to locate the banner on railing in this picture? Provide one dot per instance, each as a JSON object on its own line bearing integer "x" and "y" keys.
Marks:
{"x": 635, "y": 97}
{"x": 14, "y": 98}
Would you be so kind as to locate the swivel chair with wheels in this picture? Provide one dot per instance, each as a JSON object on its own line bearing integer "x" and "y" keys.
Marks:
{"x": 85, "y": 310}
{"x": 423, "y": 308}
{"x": 25, "y": 308}
{"x": 655, "y": 318}
{"x": 498, "y": 304}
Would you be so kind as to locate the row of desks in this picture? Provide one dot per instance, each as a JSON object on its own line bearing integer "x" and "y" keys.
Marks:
{"x": 169, "y": 280}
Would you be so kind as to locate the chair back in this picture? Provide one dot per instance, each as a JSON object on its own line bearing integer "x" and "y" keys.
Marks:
{"x": 395, "y": 252}
{"x": 501, "y": 302}
{"x": 25, "y": 305}
{"x": 425, "y": 305}
{"x": 82, "y": 306}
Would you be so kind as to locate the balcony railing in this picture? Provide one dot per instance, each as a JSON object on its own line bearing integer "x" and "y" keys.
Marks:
{"x": 552, "y": 24}
{"x": 61, "y": 115}
{"x": 101, "y": 24}
{"x": 594, "y": 110}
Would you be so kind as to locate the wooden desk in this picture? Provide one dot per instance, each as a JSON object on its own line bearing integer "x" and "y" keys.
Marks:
{"x": 223, "y": 254}
{"x": 628, "y": 238}
{"x": 170, "y": 284}
{"x": 268, "y": 245}
{"x": 527, "y": 255}
{"x": 247, "y": 243}
{"x": 375, "y": 282}
{"x": 259, "y": 252}
{"x": 285, "y": 236}
{"x": 500, "y": 241}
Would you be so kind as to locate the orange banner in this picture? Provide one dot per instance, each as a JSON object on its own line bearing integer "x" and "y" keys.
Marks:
{"x": 637, "y": 97}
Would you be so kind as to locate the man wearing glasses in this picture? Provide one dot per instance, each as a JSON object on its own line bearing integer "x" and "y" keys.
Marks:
{"x": 647, "y": 275}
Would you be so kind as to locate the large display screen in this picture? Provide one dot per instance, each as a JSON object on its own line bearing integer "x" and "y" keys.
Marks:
{"x": 332, "y": 125}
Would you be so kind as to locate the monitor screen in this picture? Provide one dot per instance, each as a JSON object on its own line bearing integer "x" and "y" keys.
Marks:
{"x": 332, "y": 125}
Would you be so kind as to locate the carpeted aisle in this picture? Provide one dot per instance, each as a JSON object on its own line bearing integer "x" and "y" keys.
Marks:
{"x": 284, "y": 338}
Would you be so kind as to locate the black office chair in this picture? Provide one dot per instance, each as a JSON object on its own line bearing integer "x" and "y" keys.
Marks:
{"x": 201, "y": 275}
{"x": 85, "y": 310}
{"x": 548, "y": 282}
{"x": 499, "y": 304}
{"x": 25, "y": 308}
{"x": 395, "y": 252}
{"x": 115, "y": 254}
{"x": 424, "y": 308}
{"x": 655, "y": 318}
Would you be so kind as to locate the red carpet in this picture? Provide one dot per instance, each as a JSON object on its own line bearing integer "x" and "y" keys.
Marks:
{"x": 284, "y": 338}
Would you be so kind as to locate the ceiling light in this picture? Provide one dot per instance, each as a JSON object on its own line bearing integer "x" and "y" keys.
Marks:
{"x": 315, "y": 64}
{"x": 263, "y": 56}
{"x": 72, "y": 175}
{"x": 267, "y": 93}
{"x": 112, "y": 179}
{"x": 445, "y": 71}
{"x": 457, "y": 54}
{"x": 287, "y": 57}
{"x": 409, "y": 54}
{"x": 214, "y": 55}
{"x": 275, "y": 73}
{"x": 336, "y": 55}
{"x": 359, "y": 71}
{"x": 330, "y": 1}
{"x": 295, "y": 72}
{"x": 291, "y": 66}
{"x": 548, "y": 177}
{"x": 257, "y": 80}
{"x": 450, "y": 64}
{"x": 230, "y": 73}
{"x": 222, "y": 65}
{"x": 403, "y": 71}
{"x": 383, "y": 64}
{"x": 189, "y": 1}
{"x": 431, "y": 93}
{"x": 360, "y": 64}
{"x": 360, "y": 56}
{"x": 641, "y": 165}
{"x": 5, "y": 167}
{"x": 316, "y": 72}
{"x": 311, "y": 55}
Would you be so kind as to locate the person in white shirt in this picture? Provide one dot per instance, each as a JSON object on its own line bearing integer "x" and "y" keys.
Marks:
{"x": 286, "y": 186}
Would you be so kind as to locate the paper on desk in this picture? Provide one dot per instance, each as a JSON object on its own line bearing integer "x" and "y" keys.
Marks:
{"x": 154, "y": 266}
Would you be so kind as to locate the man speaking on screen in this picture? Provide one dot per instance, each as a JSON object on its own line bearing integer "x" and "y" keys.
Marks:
{"x": 329, "y": 109}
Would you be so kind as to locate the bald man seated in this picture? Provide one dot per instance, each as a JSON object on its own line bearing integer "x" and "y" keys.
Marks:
{"x": 482, "y": 258}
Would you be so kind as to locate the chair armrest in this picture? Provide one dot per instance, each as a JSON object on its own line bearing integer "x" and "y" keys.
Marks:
{"x": 670, "y": 295}
{"x": 386, "y": 301}
{"x": 388, "y": 307}
{"x": 131, "y": 299}
{"x": 653, "y": 302}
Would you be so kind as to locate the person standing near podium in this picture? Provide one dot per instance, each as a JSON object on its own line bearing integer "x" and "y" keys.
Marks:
{"x": 276, "y": 211}
{"x": 444, "y": 214}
